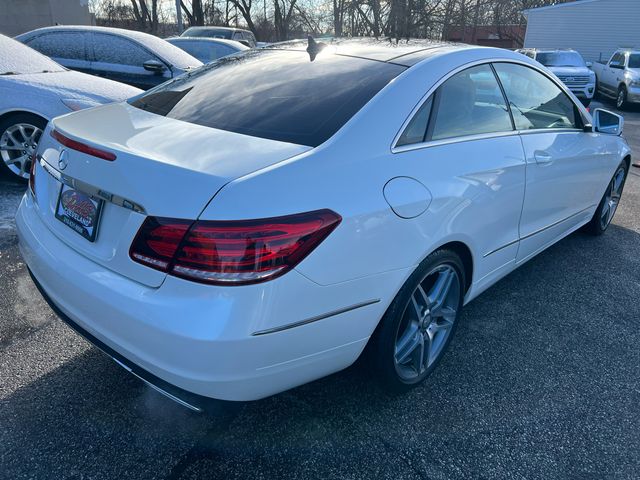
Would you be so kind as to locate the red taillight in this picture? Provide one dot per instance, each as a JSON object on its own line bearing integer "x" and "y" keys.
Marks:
{"x": 231, "y": 252}
{"x": 157, "y": 241}
{"x": 81, "y": 147}
{"x": 32, "y": 174}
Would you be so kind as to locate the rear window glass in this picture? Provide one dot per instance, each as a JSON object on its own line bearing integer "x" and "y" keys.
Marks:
{"x": 16, "y": 58}
{"x": 275, "y": 94}
{"x": 207, "y": 32}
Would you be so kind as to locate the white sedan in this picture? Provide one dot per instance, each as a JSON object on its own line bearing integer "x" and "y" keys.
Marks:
{"x": 222, "y": 237}
{"x": 33, "y": 90}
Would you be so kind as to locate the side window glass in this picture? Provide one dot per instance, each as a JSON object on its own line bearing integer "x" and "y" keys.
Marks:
{"x": 469, "y": 103}
{"x": 536, "y": 102}
{"x": 221, "y": 51}
{"x": 119, "y": 51}
{"x": 417, "y": 127}
{"x": 238, "y": 36}
{"x": 618, "y": 59}
{"x": 67, "y": 45}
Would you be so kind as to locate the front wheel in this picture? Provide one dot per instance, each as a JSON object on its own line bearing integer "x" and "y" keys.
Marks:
{"x": 622, "y": 102}
{"x": 609, "y": 203}
{"x": 420, "y": 322}
{"x": 19, "y": 137}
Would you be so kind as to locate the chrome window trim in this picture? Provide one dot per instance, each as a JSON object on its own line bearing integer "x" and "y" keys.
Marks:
{"x": 448, "y": 141}
{"x": 467, "y": 138}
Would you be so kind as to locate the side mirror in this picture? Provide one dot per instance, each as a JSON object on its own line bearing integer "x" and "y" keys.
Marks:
{"x": 154, "y": 66}
{"x": 589, "y": 64}
{"x": 607, "y": 122}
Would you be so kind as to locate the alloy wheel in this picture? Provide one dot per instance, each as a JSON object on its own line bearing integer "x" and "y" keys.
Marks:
{"x": 427, "y": 322}
{"x": 621, "y": 99}
{"x": 18, "y": 144}
{"x": 612, "y": 198}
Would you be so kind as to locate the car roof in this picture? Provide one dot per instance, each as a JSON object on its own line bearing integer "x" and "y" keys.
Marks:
{"x": 401, "y": 52}
{"x": 224, "y": 41}
{"x": 548, "y": 50}
{"x": 213, "y": 27}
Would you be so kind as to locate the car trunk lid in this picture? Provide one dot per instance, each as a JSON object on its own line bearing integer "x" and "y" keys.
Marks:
{"x": 163, "y": 167}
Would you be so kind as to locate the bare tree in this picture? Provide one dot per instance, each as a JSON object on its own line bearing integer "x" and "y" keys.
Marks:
{"x": 282, "y": 13}
{"x": 244, "y": 6}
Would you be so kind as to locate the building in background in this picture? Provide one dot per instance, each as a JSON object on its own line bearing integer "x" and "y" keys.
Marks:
{"x": 595, "y": 28}
{"x": 504, "y": 36}
{"x": 19, "y": 16}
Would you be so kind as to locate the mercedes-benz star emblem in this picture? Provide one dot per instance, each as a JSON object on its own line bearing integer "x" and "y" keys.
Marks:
{"x": 63, "y": 160}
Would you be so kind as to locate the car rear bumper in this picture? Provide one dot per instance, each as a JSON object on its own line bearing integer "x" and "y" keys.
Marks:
{"x": 228, "y": 343}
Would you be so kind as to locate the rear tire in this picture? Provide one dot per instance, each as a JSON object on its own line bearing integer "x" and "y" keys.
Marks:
{"x": 416, "y": 330}
{"x": 609, "y": 204}
{"x": 19, "y": 137}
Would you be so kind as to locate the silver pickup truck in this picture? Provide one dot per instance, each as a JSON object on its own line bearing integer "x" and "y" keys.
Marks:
{"x": 619, "y": 78}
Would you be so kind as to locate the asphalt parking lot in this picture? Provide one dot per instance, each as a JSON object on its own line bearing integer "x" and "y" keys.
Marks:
{"x": 541, "y": 381}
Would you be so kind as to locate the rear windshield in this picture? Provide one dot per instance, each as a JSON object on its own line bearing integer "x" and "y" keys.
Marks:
{"x": 634, "y": 60}
{"x": 207, "y": 32}
{"x": 561, "y": 59}
{"x": 275, "y": 94}
{"x": 16, "y": 58}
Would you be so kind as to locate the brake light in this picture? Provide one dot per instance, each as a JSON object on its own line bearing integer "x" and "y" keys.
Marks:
{"x": 157, "y": 241}
{"x": 82, "y": 147}
{"x": 231, "y": 252}
{"x": 32, "y": 175}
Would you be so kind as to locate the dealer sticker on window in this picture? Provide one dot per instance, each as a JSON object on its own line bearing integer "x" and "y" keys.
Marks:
{"x": 79, "y": 212}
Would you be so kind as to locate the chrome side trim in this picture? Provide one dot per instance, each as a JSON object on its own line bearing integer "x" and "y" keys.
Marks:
{"x": 90, "y": 190}
{"x": 315, "y": 319}
{"x": 500, "y": 248}
{"x": 540, "y": 230}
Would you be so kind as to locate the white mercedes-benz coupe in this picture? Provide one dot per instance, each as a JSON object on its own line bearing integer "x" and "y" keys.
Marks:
{"x": 255, "y": 224}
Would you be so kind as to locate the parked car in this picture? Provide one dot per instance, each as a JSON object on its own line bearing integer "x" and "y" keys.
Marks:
{"x": 570, "y": 68}
{"x": 207, "y": 49}
{"x": 33, "y": 90}
{"x": 231, "y": 238}
{"x": 246, "y": 37}
{"x": 619, "y": 78}
{"x": 136, "y": 58}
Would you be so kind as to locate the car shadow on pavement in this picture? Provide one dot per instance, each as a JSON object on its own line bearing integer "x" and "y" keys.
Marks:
{"x": 542, "y": 376}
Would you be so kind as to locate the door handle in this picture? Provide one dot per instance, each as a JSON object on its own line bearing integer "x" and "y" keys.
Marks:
{"x": 542, "y": 157}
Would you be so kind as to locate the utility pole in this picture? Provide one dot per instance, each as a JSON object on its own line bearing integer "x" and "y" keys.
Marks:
{"x": 179, "y": 16}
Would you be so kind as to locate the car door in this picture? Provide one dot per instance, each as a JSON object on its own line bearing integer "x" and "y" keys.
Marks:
{"x": 614, "y": 72}
{"x": 120, "y": 59}
{"x": 68, "y": 48}
{"x": 462, "y": 146}
{"x": 565, "y": 164}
